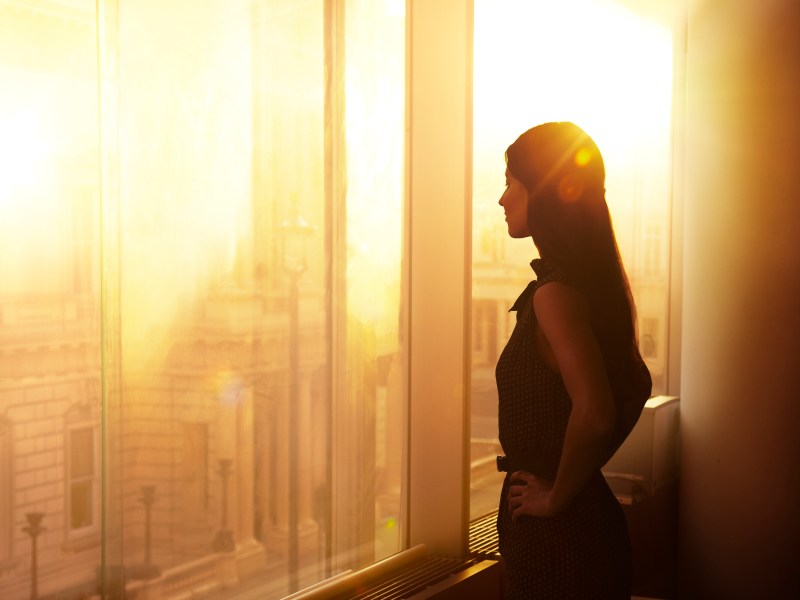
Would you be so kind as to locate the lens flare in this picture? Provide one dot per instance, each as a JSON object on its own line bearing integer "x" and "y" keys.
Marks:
{"x": 583, "y": 156}
{"x": 229, "y": 388}
{"x": 570, "y": 189}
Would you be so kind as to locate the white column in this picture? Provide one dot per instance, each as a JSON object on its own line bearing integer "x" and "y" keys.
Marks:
{"x": 282, "y": 463}
{"x": 439, "y": 125}
{"x": 243, "y": 469}
{"x": 305, "y": 457}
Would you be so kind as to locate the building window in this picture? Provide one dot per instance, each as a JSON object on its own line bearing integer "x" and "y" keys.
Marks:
{"x": 81, "y": 478}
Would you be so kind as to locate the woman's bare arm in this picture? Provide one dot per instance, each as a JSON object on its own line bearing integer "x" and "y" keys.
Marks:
{"x": 563, "y": 317}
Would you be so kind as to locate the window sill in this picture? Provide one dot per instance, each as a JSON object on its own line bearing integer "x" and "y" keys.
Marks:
{"x": 83, "y": 543}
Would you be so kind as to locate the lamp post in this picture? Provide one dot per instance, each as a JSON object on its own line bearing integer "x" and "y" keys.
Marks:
{"x": 33, "y": 529}
{"x": 223, "y": 540}
{"x": 148, "y": 498}
{"x": 294, "y": 233}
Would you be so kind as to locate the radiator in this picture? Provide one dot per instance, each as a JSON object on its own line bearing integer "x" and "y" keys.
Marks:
{"x": 415, "y": 575}
{"x": 483, "y": 537}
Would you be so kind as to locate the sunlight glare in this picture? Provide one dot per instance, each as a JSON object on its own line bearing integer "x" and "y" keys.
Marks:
{"x": 592, "y": 62}
{"x": 588, "y": 61}
{"x": 607, "y": 66}
{"x": 374, "y": 123}
{"x": 24, "y": 150}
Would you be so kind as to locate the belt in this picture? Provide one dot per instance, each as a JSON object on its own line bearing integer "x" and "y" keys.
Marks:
{"x": 509, "y": 464}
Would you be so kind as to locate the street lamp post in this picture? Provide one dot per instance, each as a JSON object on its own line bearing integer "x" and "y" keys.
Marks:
{"x": 294, "y": 359}
{"x": 148, "y": 498}
{"x": 223, "y": 540}
{"x": 294, "y": 232}
{"x": 33, "y": 529}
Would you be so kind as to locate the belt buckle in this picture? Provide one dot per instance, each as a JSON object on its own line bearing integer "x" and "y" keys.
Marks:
{"x": 502, "y": 464}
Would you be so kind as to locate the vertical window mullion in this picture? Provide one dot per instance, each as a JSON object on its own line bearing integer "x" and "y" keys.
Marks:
{"x": 439, "y": 158}
{"x": 337, "y": 556}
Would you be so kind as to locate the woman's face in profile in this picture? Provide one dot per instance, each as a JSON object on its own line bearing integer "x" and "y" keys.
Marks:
{"x": 515, "y": 204}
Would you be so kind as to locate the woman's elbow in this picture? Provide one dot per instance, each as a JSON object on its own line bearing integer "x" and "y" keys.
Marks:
{"x": 603, "y": 425}
{"x": 599, "y": 418}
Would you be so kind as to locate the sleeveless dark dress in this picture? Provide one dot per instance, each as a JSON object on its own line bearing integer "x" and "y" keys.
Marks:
{"x": 584, "y": 551}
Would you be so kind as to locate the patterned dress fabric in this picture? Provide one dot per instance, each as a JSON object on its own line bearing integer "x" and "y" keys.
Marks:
{"x": 584, "y": 551}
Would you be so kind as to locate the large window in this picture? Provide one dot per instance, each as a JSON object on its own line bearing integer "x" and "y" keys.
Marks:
{"x": 236, "y": 235}
{"x": 196, "y": 203}
{"x": 610, "y": 70}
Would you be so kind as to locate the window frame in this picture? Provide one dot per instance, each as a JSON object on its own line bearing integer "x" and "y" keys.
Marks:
{"x": 439, "y": 230}
{"x": 438, "y": 205}
{"x": 438, "y": 298}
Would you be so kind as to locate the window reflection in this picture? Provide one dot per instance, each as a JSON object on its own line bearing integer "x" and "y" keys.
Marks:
{"x": 253, "y": 407}
{"x": 49, "y": 298}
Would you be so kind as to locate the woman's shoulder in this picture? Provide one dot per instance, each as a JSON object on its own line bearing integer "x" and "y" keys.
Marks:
{"x": 557, "y": 299}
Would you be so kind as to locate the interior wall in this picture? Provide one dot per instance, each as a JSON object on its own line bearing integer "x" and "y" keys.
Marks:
{"x": 740, "y": 499}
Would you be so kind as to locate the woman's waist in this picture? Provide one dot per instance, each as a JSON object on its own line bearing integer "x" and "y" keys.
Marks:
{"x": 534, "y": 463}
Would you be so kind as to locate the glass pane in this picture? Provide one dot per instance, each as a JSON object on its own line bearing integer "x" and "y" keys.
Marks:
{"x": 374, "y": 134}
{"x": 609, "y": 70}
{"x": 252, "y": 373}
{"x": 260, "y": 196}
{"x": 222, "y": 284}
{"x": 49, "y": 295}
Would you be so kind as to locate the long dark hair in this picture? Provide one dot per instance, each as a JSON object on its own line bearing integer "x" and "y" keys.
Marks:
{"x": 568, "y": 218}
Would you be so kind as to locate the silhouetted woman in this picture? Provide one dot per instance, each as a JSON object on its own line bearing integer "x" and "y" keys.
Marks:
{"x": 571, "y": 381}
